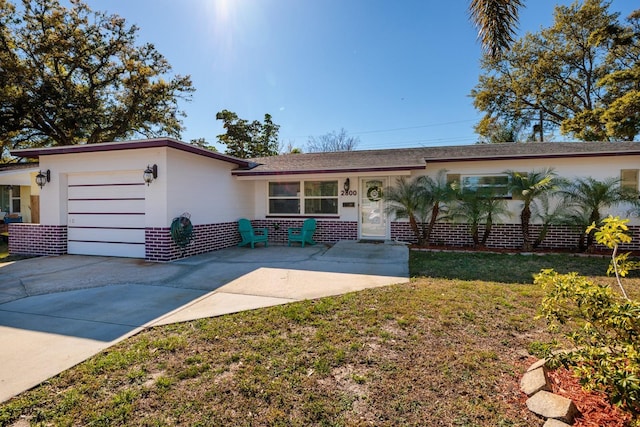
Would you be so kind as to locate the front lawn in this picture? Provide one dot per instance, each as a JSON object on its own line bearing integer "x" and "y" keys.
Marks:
{"x": 447, "y": 349}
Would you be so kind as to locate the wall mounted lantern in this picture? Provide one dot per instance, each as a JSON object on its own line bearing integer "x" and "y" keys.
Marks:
{"x": 43, "y": 177}
{"x": 150, "y": 173}
{"x": 347, "y": 185}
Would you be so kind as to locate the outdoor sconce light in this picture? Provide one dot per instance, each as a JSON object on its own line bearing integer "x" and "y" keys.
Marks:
{"x": 43, "y": 177}
{"x": 347, "y": 185}
{"x": 150, "y": 173}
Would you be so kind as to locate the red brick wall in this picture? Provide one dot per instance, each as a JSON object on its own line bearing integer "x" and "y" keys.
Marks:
{"x": 37, "y": 239}
{"x": 327, "y": 231}
{"x": 209, "y": 237}
{"x": 502, "y": 236}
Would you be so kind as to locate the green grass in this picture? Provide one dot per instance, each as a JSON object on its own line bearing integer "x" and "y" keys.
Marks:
{"x": 437, "y": 351}
{"x": 503, "y": 268}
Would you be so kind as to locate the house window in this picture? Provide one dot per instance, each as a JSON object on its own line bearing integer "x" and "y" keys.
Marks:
{"x": 496, "y": 185}
{"x": 321, "y": 197}
{"x": 15, "y": 199}
{"x": 284, "y": 197}
{"x": 629, "y": 179}
{"x": 318, "y": 198}
{"x": 4, "y": 198}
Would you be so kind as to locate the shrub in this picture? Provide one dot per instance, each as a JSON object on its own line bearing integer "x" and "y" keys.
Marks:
{"x": 604, "y": 325}
{"x": 605, "y": 333}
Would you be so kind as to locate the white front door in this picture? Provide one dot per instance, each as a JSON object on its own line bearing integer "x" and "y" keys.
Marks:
{"x": 373, "y": 218}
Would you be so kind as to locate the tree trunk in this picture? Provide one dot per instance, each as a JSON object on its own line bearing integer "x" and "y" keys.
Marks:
{"x": 474, "y": 235}
{"x": 487, "y": 230}
{"x": 432, "y": 221}
{"x": 541, "y": 236}
{"x": 525, "y": 217}
{"x": 415, "y": 229}
{"x": 581, "y": 241}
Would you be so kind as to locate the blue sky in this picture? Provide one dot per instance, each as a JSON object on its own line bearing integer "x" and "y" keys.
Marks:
{"x": 393, "y": 73}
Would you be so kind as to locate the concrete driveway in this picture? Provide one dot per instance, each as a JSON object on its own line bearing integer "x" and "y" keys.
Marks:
{"x": 56, "y": 312}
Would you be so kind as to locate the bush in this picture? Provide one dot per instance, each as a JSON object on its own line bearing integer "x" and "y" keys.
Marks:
{"x": 605, "y": 325}
{"x": 606, "y": 335}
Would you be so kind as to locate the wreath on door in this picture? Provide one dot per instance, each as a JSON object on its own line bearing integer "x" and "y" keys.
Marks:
{"x": 374, "y": 193}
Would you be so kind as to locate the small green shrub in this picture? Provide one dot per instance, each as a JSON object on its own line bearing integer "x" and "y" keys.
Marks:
{"x": 604, "y": 325}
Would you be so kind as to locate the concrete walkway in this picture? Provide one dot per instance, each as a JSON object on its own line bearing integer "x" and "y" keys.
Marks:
{"x": 56, "y": 312}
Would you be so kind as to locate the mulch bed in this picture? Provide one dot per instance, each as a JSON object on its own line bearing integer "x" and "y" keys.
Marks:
{"x": 595, "y": 409}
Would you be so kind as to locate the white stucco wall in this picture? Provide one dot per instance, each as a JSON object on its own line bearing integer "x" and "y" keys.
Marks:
{"x": 345, "y": 213}
{"x": 186, "y": 182}
{"x": 205, "y": 188}
{"x": 53, "y": 196}
{"x": 596, "y": 167}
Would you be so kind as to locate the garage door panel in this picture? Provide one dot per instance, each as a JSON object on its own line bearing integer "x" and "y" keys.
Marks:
{"x": 106, "y": 214}
{"x": 129, "y": 177}
{"x": 96, "y": 220}
{"x": 127, "y": 250}
{"x": 117, "y": 235}
{"x": 106, "y": 206}
{"x": 107, "y": 192}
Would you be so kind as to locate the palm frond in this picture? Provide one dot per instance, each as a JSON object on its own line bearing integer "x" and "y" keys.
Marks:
{"x": 497, "y": 22}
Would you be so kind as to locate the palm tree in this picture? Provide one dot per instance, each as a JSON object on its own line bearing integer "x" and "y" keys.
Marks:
{"x": 439, "y": 192}
{"x": 528, "y": 187}
{"x": 476, "y": 208}
{"x": 407, "y": 199}
{"x": 496, "y": 21}
{"x": 591, "y": 196}
{"x": 549, "y": 211}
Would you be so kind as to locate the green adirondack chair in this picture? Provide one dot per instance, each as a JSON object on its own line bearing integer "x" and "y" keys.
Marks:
{"x": 249, "y": 236}
{"x": 303, "y": 234}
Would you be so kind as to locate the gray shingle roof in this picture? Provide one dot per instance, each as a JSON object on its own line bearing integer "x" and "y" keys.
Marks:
{"x": 416, "y": 158}
{"x": 9, "y": 167}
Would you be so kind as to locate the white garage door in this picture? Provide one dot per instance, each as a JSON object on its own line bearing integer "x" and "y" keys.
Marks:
{"x": 106, "y": 215}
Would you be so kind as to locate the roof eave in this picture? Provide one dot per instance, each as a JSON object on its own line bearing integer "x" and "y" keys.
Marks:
{"x": 532, "y": 156}
{"x": 131, "y": 145}
{"x": 327, "y": 171}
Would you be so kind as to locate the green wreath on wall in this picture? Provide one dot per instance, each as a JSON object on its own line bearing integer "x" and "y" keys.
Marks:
{"x": 182, "y": 230}
{"x": 374, "y": 193}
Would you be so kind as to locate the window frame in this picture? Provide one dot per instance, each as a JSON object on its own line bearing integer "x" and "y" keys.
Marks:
{"x": 507, "y": 193}
{"x": 629, "y": 183}
{"x": 301, "y": 197}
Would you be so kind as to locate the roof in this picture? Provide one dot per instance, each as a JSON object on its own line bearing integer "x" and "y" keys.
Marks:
{"x": 12, "y": 167}
{"x": 342, "y": 161}
{"x": 130, "y": 145}
{"x": 417, "y": 158}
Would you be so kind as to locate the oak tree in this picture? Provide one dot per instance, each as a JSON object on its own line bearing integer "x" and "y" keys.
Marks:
{"x": 72, "y": 75}
{"x": 245, "y": 139}
{"x": 560, "y": 78}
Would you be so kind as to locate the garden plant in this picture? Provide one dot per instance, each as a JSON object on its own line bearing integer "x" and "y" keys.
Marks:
{"x": 603, "y": 324}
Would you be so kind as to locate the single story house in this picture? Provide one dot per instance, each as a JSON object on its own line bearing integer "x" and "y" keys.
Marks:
{"x": 93, "y": 198}
{"x": 15, "y": 191}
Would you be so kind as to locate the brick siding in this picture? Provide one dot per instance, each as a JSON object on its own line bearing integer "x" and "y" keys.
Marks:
{"x": 206, "y": 238}
{"x": 327, "y": 231}
{"x": 503, "y": 236}
{"x": 37, "y": 239}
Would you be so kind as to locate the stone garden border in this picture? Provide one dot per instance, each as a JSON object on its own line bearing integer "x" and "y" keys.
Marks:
{"x": 557, "y": 410}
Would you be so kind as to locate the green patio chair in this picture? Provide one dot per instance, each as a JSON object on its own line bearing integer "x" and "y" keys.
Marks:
{"x": 248, "y": 234}
{"x": 303, "y": 234}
